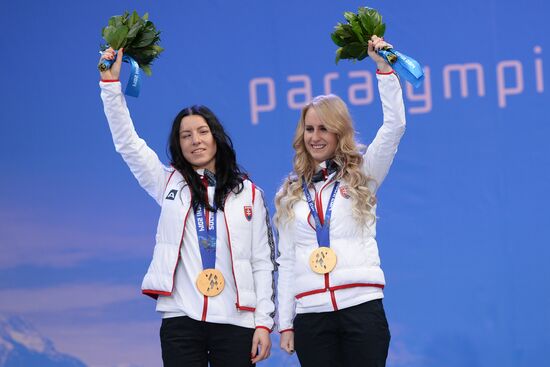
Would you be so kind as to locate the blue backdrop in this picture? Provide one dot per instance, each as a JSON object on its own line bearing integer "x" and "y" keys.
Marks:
{"x": 463, "y": 229}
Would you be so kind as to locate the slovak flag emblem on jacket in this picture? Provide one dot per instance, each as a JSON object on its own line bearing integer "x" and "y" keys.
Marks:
{"x": 344, "y": 192}
{"x": 248, "y": 212}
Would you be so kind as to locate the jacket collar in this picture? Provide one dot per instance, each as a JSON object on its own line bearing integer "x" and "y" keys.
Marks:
{"x": 324, "y": 170}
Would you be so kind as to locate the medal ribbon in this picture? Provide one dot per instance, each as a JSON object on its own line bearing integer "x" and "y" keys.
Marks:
{"x": 405, "y": 66}
{"x": 205, "y": 224}
{"x": 321, "y": 229}
{"x": 134, "y": 82}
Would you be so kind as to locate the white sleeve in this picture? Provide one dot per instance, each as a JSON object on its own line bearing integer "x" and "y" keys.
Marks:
{"x": 263, "y": 263}
{"x": 380, "y": 153}
{"x": 142, "y": 160}
{"x": 285, "y": 290}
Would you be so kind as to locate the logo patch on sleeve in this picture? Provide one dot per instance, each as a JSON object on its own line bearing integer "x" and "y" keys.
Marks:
{"x": 171, "y": 195}
{"x": 248, "y": 212}
{"x": 344, "y": 192}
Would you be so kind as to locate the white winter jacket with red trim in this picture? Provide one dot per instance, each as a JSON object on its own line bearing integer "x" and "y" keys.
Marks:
{"x": 357, "y": 277}
{"x": 250, "y": 241}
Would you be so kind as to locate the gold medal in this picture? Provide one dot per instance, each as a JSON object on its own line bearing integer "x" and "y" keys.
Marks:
{"x": 210, "y": 282}
{"x": 322, "y": 260}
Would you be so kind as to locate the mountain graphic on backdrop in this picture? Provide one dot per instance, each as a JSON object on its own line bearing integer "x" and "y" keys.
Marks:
{"x": 22, "y": 345}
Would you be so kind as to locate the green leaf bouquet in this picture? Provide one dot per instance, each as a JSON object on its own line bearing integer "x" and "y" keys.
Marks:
{"x": 352, "y": 37}
{"x": 137, "y": 35}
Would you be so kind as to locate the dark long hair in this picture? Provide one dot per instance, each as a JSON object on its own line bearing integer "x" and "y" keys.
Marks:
{"x": 229, "y": 176}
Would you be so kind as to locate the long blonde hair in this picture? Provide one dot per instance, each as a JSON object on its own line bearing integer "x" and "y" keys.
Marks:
{"x": 336, "y": 118}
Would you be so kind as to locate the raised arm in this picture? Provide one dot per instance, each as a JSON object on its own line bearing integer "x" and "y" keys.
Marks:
{"x": 380, "y": 153}
{"x": 143, "y": 161}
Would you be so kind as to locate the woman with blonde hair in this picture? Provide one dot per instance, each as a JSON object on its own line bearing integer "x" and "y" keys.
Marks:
{"x": 330, "y": 280}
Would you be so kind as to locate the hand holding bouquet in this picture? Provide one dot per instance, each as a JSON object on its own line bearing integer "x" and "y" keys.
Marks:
{"x": 139, "y": 38}
{"x": 353, "y": 38}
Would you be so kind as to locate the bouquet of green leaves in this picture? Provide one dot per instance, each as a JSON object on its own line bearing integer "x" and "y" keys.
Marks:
{"x": 352, "y": 38}
{"x": 137, "y": 35}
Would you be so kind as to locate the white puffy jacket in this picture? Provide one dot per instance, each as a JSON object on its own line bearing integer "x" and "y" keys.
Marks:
{"x": 357, "y": 276}
{"x": 250, "y": 241}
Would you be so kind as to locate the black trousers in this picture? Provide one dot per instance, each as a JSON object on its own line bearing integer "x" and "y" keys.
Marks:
{"x": 189, "y": 343}
{"x": 354, "y": 336}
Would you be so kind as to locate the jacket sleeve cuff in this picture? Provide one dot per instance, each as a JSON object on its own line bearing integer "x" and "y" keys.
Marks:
{"x": 110, "y": 87}
{"x": 388, "y": 73}
{"x": 264, "y": 327}
{"x": 285, "y": 330}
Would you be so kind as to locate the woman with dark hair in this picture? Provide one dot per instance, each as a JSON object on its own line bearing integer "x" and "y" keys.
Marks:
{"x": 213, "y": 262}
{"x": 330, "y": 280}
{"x": 228, "y": 174}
